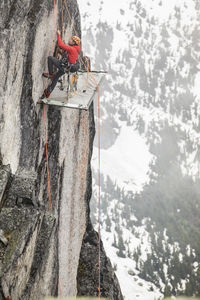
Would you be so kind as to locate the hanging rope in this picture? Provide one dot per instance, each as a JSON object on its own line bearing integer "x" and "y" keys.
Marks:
{"x": 45, "y": 129}
{"x": 87, "y": 67}
{"x": 48, "y": 175}
{"x": 59, "y": 289}
{"x": 70, "y": 16}
{"x": 75, "y": 31}
{"x": 47, "y": 159}
{"x": 99, "y": 159}
{"x": 63, "y": 28}
{"x": 54, "y": 25}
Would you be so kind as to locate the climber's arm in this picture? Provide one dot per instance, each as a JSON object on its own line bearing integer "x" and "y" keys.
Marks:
{"x": 62, "y": 45}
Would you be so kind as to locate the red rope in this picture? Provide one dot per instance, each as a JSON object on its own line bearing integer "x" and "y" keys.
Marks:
{"x": 47, "y": 158}
{"x": 59, "y": 289}
{"x": 63, "y": 28}
{"x": 55, "y": 19}
{"x": 48, "y": 176}
{"x": 99, "y": 258}
{"x": 45, "y": 133}
{"x": 99, "y": 152}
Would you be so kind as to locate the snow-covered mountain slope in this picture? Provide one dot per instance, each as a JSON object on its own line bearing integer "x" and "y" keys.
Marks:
{"x": 118, "y": 161}
{"x": 150, "y": 132}
{"x": 144, "y": 56}
{"x": 120, "y": 243}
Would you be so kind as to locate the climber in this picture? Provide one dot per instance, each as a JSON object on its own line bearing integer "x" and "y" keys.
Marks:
{"x": 68, "y": 62}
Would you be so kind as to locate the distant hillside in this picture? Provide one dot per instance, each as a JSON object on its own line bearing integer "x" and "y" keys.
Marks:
{"x": 152, "y": 55}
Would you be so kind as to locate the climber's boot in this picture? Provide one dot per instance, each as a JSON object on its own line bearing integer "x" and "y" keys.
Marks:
{"x": 48, "y": 75}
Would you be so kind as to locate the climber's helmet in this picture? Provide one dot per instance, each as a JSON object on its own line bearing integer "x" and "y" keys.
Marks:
{"x": 76, "y": 40}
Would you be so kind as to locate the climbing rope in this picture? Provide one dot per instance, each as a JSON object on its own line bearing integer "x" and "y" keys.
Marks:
{"x": 67, "y": 9}
{"x": 47, "y": 159}
{"x": 63, "y": 28}
{"x": 55, "y": 14}
{"x": 59, "y": 289}
{"x": 87, "y": 67}
{"x": 99, "y": 143}
{"x": 48, "y": 174}
{"x": 75, "y": 31}
{"x": 99, "y": 229}
{"x": 45, "y": 129}
{"x": 72, "y": 23}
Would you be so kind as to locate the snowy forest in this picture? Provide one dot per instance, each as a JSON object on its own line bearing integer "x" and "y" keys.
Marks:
{"x": 151, "y": 52}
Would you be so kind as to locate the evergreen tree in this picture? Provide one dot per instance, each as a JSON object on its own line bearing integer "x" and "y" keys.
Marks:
{"x": 121, "y": 246}
{"x": 114, "y": 244}
{"x": 167, "y": 290}
{"x": 108, "y": 224}
{"x": 188, "y": 289}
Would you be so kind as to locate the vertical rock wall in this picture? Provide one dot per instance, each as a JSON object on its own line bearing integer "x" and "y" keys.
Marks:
{"x": 28, "y": 36}
{"x": 39, "y": 251}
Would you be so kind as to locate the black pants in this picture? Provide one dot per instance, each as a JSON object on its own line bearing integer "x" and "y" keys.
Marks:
{"x": 56, "y": 62}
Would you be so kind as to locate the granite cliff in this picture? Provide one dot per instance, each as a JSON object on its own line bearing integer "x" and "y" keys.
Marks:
{"x": 42, "y": 252}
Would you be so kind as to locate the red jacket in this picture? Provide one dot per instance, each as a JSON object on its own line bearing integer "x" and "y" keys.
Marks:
{"x": 72, "y": 51}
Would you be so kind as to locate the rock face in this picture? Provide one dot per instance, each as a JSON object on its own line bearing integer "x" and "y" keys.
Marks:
{"x": 39, "y": 250}
{"x": 26, "y": 269}
{"x": 4, "y": 178}
{"x": 87, "y": 279}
